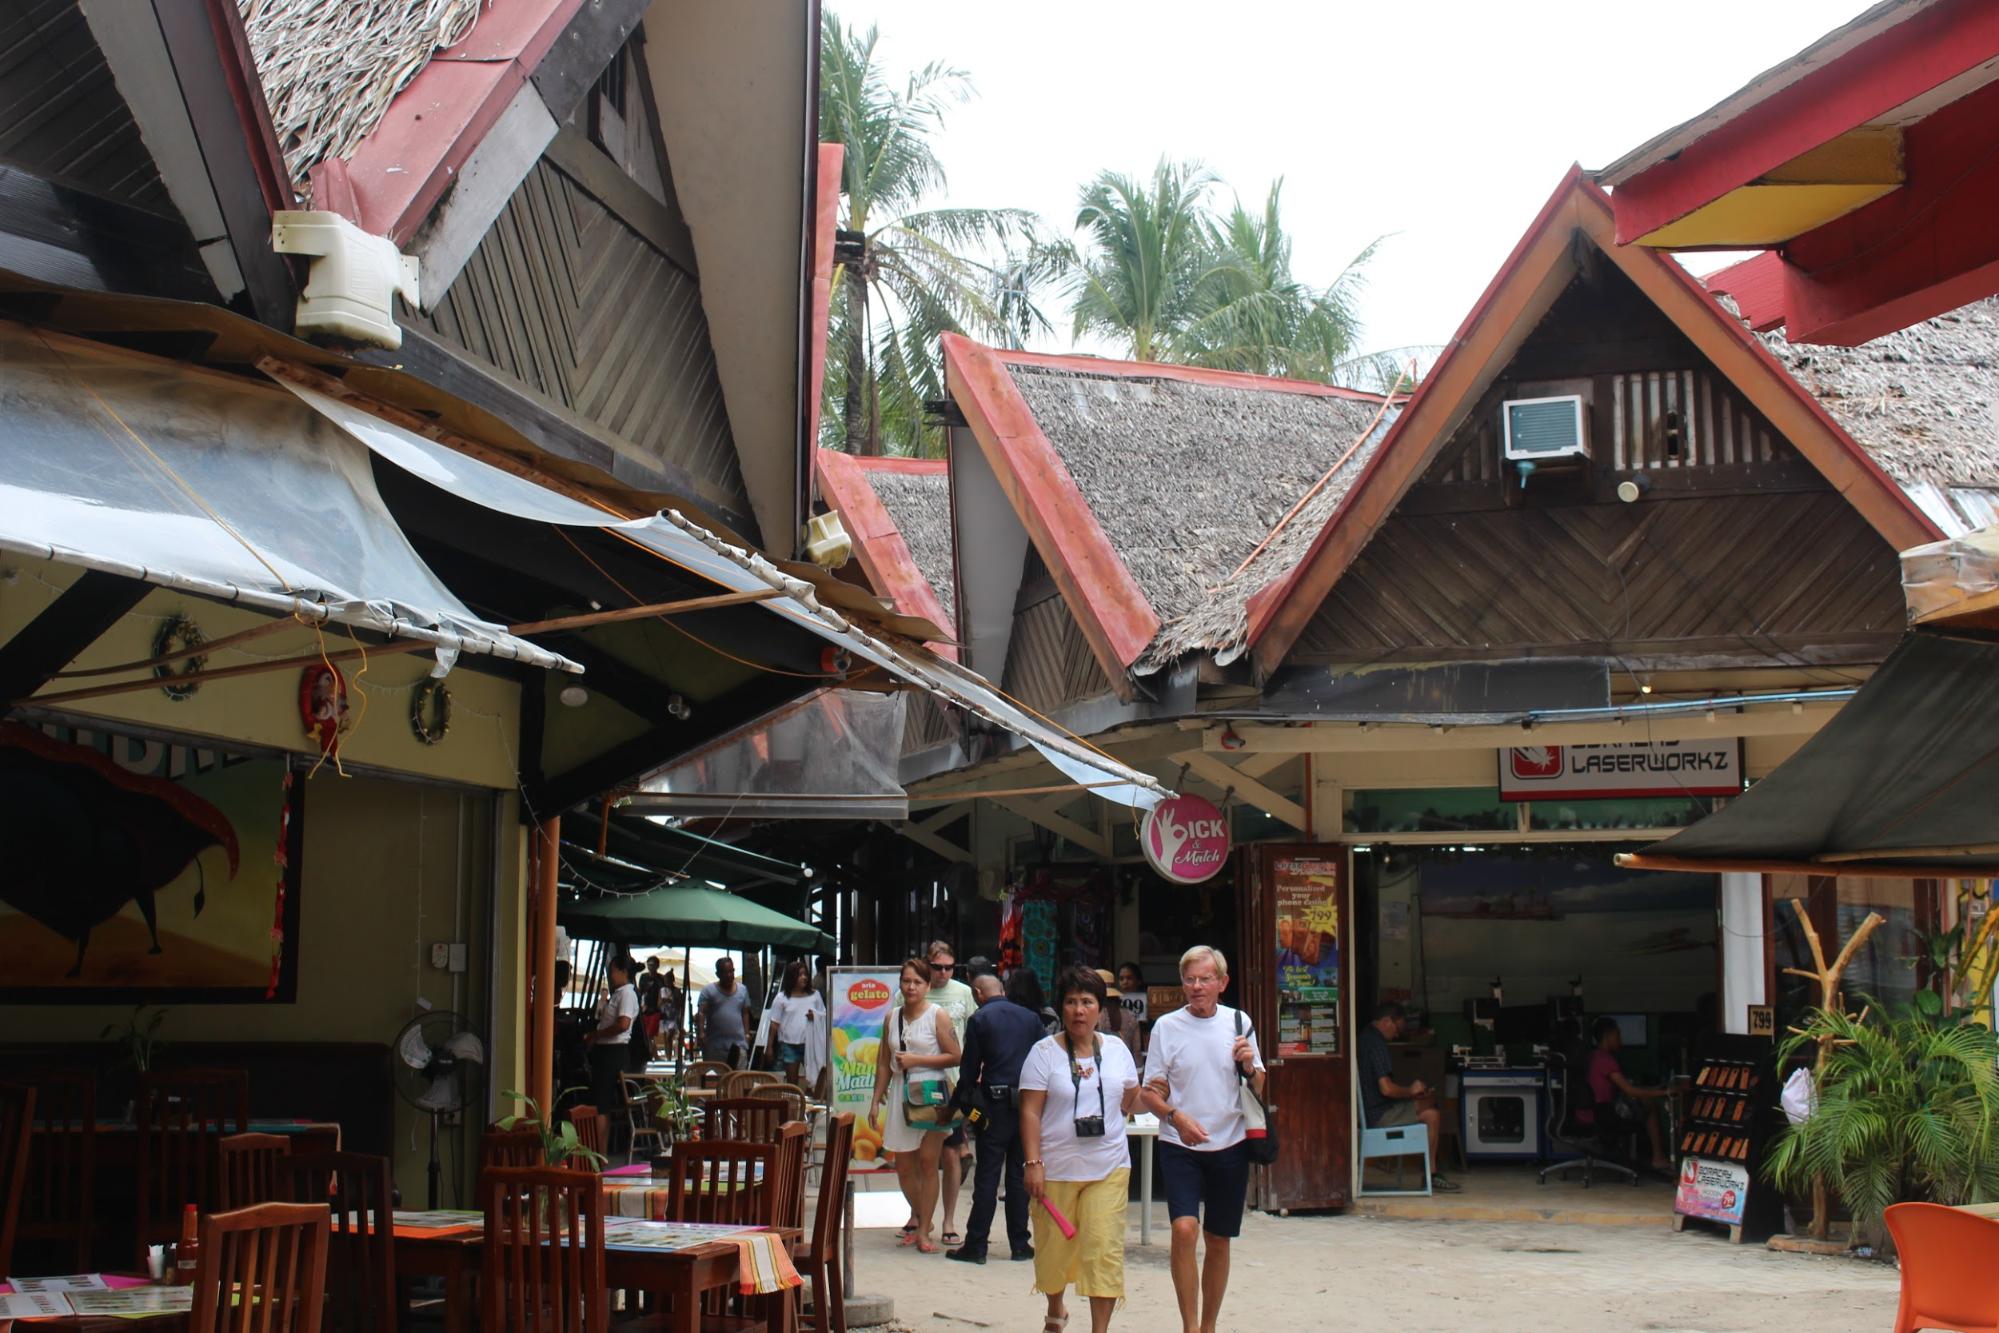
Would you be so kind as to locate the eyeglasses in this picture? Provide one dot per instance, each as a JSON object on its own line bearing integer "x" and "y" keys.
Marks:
{"x": 943, "y": 967}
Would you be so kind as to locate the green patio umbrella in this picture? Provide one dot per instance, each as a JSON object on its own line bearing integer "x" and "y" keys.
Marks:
{"x": 687, "y": 916}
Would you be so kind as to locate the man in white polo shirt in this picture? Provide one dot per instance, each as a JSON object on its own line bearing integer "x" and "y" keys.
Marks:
{"x": 1194, "y": 1067}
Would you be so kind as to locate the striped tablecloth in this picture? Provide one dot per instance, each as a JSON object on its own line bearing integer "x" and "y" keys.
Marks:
{"x": 640, "y": 1194}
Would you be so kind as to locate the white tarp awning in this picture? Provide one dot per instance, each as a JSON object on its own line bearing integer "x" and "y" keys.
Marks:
{"x": 689, "y": 546}
{"x": 189, "y": 479}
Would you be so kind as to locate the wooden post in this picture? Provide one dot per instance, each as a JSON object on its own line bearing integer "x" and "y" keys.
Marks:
{"x": 1827, "y": 976}
{"x": 541, "y": 1055}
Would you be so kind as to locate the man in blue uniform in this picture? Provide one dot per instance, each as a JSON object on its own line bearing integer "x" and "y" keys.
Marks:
{"x": 997, "y": 1040}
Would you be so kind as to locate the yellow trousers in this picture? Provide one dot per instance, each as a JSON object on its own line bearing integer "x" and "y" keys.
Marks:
{"x": 1094, "y": 1260}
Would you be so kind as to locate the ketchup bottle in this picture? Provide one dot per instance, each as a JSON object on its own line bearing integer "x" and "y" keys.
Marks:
{"x": 187, "y": 1256}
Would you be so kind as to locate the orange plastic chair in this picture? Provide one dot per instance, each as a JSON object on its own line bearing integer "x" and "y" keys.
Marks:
{"x": 1948, "y": 1258}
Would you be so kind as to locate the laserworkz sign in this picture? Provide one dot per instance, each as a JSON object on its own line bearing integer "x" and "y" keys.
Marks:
{"x": 1603, "y": 772}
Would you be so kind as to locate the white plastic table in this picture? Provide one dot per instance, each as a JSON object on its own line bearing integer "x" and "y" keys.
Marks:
{"x": 1145, "y": 1128}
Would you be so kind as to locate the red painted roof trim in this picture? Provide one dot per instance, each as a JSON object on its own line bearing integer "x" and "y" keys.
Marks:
{"x": 1116, "y": 619}
{"x": 403, "y": 168}
{"x": 1930, "y": 47}
{"x": 1218, "y": 379}
{"x": 825, "y": 220}
{"x": 1757, "y": 287}
{"x": 878, "y": 544}
{"x": 1574, "y": 201}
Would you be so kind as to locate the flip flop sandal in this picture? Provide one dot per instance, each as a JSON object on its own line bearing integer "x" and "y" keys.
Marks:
{"x": 926, "y": 1247}
{"x": 1053, "y": 1324}
{"x": 953, "y": 1239}
{"x": 907, "y": 1239}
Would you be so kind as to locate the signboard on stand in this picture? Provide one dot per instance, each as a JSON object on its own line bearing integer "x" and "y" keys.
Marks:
{"x": 1305, "y": 893}
{"x": 1712, "y": 1190}
{"x": 1610, "y": 772}
{"x": 859, "y": 1003}
{"x": 1185, "y": 839}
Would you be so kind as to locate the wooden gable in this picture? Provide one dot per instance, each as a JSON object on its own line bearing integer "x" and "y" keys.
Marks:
{"x": 1049, "y": 664}
{"x": 1737, "y": 552}
{"x": 585, "y": 291}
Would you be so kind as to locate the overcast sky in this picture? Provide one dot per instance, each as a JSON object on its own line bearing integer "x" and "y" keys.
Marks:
{"x": 1442, "y": 125}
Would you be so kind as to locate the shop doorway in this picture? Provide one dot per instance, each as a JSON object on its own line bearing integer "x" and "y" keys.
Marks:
{"x": 1503, "y": 953}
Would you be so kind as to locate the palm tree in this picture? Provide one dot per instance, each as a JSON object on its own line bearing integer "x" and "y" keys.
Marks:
{"x": 1141, "y": 280}
{"x": 905, "y": 274}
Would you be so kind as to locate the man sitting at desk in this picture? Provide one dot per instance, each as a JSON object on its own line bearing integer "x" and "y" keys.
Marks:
{"x": 1617, "y": 1101}
{"x": 1387, "y": 1103}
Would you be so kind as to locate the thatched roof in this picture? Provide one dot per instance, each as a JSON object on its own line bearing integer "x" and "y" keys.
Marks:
{"x": 1924, "y": 402}
{"x": 1186, "y": 478}
{"x": 920, "y": 505}
{"x": 330, "y": 68}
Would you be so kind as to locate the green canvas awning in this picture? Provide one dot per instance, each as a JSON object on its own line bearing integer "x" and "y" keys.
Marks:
{"x": 687, "y": 916}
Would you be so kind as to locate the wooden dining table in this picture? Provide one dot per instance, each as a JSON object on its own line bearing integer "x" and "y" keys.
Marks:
{"x": 682, "y": 1276}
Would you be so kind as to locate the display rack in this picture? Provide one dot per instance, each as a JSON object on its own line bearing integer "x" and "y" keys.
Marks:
{"x": 1731, "y": 1110}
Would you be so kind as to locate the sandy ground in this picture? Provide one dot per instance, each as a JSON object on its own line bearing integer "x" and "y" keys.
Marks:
{"x": 1358, "y": 1273}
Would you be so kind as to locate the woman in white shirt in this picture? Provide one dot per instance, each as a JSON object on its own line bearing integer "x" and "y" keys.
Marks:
{"x": 610, "y": 1041}
{"x": 917, "y": 1048}
{"x": 1075, "y": 1091}
{"x": 798, "y": 1026}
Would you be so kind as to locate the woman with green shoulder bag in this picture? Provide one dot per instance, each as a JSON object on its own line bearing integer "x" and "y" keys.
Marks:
{"x": 913, "y": 1067}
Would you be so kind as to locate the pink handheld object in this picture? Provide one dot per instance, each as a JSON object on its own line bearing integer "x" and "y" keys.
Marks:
{"x": 1062, "y": 1224}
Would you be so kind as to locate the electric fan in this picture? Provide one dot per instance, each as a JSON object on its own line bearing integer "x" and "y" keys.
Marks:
{"x": 433, "y": 1058}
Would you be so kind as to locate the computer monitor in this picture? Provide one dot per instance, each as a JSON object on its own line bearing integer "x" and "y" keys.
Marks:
{"x": 1632, "y": 1028}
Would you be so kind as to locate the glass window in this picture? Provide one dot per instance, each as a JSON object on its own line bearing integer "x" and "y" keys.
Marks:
{"x": 1429, "y": 810}
{"x": 1633, "y": 813}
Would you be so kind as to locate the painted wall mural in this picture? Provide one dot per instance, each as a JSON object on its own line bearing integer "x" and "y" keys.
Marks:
{"x": 144, "y": 870}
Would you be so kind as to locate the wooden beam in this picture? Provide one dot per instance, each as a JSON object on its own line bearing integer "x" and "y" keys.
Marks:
{"x": 1228, "y": 777}
{"x": 1841, "y": 869}
{"x": 64, "y": 628}
{"x": 1396, "y": 738}
{"x": 925, "y": 832}
{"x": 1047, "y": 814}
{"x": 644, "y": 612}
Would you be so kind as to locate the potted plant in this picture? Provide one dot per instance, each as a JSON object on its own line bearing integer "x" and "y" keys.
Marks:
{"x": 676, "y": 1115}
{"x": 559, "y": 1144}
{"x": 139, "y": 1036}
{"x": 1907, "y": 1105}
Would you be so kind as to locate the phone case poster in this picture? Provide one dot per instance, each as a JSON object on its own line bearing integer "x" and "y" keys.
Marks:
{"x": 1712, "y": 1190}
{"x": 1307, "y": 896}
{"x": 860, "y": 1002}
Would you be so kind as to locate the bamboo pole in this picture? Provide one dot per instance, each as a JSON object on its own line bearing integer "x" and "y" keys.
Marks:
{"x": 541, "y": 1052}
{"x": 1831, "y": 1000}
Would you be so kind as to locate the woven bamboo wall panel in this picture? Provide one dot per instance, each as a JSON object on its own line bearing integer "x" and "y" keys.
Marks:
{"x": 1735, "y": 570}
{"x": 566, "y": 299}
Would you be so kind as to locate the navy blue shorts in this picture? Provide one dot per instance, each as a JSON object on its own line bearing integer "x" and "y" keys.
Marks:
{"x": 1207, "y": 1185}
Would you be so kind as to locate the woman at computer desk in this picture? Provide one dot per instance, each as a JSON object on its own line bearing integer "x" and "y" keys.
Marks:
{"x": 1619, "y": 1101}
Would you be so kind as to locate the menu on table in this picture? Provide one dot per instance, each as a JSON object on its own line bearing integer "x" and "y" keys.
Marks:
{"x": 33, "y": 1305}
{"x": 440, "y": 1219}
{"x": 72, "y": 1282}
{"x": 133, "y": 1300}
{"x": 1305, "y": 891}
{"x": 629, "y": 1234}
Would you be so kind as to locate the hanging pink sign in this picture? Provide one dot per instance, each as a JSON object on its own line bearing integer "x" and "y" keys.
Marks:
{"x": 1186, "y": 839}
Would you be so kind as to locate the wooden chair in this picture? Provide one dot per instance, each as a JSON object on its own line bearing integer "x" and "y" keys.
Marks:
{"x": 739, "y": 1082}
{"x": 593, "y": 1131}
{"x": 252, "y": 1169}
{"x": 543, "y": 1266}
{"x": 359, "y": 1192}
{"x": 182, "y": 1119}
{"x": 214, "y": 1098}
{"x": 786, "y": 1196}
{"x": 62, "y": 1165}
{"x": 638, "y": 1117}
{"x": 752, "y": 1119}
{"x": 722, "y": 1180}
{"x": 707, "y": 1073}
{"x": 17, "y": 1119}
{"x": 262, "y": 1269}
{"x": 1947, "y": 1257}
{"x": 511, "y": 1148}
{"x": 818, "y": 1254}
{"x": 792, "y": 1095}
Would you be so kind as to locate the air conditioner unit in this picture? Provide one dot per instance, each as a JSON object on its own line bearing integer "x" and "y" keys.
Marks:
{"x": 1539, "y": 429}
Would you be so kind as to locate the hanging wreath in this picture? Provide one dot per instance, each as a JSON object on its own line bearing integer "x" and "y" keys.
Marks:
{"x": 179, "y": 635}
{"x": 430, "y": 710}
